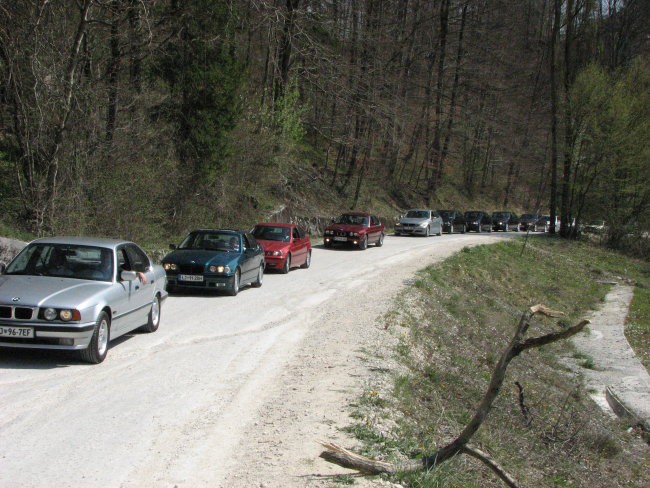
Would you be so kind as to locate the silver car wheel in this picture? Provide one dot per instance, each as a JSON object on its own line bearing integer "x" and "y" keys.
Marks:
{"x": 153, "y": 321}
{"x": 102, "y": 337}
{"x": 98, "y": 345}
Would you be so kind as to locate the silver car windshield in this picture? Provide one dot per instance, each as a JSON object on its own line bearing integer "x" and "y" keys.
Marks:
{"x": 64, "y": 261}
{"x": 417, "y": 214}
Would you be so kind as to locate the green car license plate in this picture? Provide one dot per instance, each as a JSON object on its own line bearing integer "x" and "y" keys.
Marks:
{"x": 190, "y": 277}
{"x": 17, "y": 332}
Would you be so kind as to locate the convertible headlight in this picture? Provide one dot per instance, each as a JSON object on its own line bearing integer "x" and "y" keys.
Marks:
{"x": 50, "y": 314}
{"x": 329, "y": 232}
{"x": 354, "y": 234}
{"x": 170, "y": 266}
{"x": 278, "y": 253}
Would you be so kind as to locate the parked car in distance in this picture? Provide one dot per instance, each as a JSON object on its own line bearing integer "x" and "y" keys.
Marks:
{"x": 285, "y": 245}
{"x": 355, "y": 229}
{"x": 505, "y": 221}
{"x": 477, "y": 220}
{"x": 77, "y": 294}
{"x": 528, "y": 222}
{"x": 419, "y": 222}
{"x": 452, "y": 221}
{"x": 215, "y": 259}
{"x": 595, "y": 227}
{"x": 544, "y": 223}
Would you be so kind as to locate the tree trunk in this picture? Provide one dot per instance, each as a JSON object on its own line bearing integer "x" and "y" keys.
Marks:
{"x": 557, "y": 11}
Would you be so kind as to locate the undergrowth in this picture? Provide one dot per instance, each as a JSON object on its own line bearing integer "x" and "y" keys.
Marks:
{"x": 452, "y": 324}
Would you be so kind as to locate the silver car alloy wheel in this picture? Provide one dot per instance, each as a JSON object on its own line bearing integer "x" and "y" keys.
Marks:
{"x": 155, "y": 312}
{"x": 102, "y": 337}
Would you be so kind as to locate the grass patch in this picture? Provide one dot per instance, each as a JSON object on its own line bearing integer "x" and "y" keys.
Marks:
{"x": 454, "y": 321}
{"x": 637, "y": 329}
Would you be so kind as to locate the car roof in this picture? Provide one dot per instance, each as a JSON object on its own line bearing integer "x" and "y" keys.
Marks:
{"x": 364, "y": 214}
{"x": 277, "y": 224}
{"x": 419, "y": 210}
{"x": 231, "y": 231}
{"x": 81, "y": 241}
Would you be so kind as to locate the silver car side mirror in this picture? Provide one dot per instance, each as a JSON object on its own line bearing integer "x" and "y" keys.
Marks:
{"x": 128, "y": 275}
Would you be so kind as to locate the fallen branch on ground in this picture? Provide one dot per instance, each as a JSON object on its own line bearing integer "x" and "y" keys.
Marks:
{"x": 342, "y": 457}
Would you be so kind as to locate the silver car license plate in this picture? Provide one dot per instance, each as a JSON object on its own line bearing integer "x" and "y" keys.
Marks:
{"x": 190, "y": 277}
{"x": 17, "y": 332}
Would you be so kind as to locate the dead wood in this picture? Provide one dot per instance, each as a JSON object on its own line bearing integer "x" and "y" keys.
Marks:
{"x": 342, "y": 457}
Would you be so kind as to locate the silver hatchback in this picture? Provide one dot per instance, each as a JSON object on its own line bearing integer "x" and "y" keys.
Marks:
{"x": 78, "y": 294}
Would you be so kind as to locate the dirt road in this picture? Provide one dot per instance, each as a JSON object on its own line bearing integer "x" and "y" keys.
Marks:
{"x": 230, "y": 392}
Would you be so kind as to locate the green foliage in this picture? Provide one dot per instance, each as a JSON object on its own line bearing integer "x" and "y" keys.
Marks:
{"x": 289, "y": 112}
{"x": 637, "y": 328}
{"x": 611, "y": 115}
{"x": 204, "y": 78}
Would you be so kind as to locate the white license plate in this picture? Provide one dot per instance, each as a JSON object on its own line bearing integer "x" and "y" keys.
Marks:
{"x": 17, "y": 332}
{"x": 190, "y": 277}
{"x": 343, "y": 239}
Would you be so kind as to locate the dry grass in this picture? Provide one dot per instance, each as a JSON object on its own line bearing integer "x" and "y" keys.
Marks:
{"x": 454, "y": 321}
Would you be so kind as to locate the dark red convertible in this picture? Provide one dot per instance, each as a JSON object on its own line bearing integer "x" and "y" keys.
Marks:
{"x": 285, "y": 245}
{"x": 356, "y": 229}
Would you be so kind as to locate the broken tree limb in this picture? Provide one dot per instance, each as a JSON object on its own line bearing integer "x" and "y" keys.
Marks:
{"x": 338, "y": 455}
{"x": 491, "y": 463}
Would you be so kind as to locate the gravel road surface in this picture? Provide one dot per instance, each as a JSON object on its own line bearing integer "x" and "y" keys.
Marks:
{"x": 230, "y": 392}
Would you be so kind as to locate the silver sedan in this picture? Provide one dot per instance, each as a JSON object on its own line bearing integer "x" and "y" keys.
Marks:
{"x": 419, "y": 222}
{"x": 78, "y": 294}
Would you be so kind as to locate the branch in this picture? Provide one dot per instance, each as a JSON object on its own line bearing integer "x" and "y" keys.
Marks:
{"x": 490, "y": 463}
{"x": 338, "y": 455}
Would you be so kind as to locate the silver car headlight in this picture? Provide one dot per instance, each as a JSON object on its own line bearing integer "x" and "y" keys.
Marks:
{"x": 63, "y": 314}
{"x": 66, "y": 315}
{"x": 50, "y": 314}
{"x": 424, "y": 224}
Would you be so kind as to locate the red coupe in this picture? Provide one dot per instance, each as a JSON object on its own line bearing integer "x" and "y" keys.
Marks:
{"x": 285, "y": 245}
{"x": 356, "y": 229}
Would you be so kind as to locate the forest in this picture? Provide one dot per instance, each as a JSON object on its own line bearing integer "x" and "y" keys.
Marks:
{"x": 145, "y": 118}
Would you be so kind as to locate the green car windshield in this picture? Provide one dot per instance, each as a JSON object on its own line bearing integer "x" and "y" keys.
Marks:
{"x": 211, "y": 241}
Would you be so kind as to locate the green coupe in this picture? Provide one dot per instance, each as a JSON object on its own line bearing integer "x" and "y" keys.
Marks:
{"x": 215, "y": 259}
